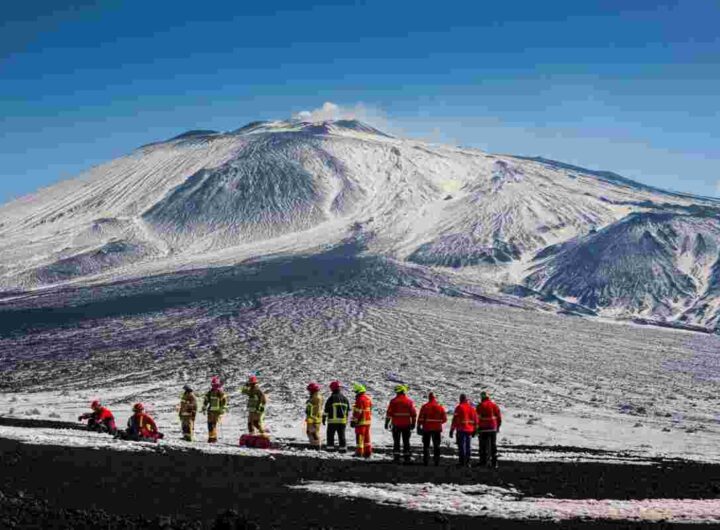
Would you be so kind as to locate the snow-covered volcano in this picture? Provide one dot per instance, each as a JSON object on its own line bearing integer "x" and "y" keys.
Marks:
{"x": 503, "y": 223}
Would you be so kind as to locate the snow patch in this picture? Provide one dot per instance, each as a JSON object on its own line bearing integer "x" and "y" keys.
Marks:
{"x": 508, "y": 503}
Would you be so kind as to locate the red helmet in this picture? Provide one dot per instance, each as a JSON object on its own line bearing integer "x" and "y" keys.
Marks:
{"x": 335, "y": 386}
{"x": 95, "y": 404}
{"x": 313, "y": 387}
{"x": 215, "y": 383}
{"x": 252, "y": 380}
{"x": 138, "y": 407}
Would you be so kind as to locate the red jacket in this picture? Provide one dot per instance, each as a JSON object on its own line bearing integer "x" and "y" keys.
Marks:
{"x": 465, "y": 419}
{"x": 489, "y": 418}
{"x": 103, "y": 414}
{"x": 432, "y": 416}
{"x": 141, "y": 424}
{"x": 362, "y": 410}
{"x": 401, "y": 411}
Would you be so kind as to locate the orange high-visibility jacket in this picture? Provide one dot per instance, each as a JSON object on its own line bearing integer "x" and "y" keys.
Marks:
{"x": 465, "y": 419}
{"x": 401, "y": 411}
{"x": 489, "y": 417}
{"x": 432, "y": 416}
{"x": 362, "y": 410}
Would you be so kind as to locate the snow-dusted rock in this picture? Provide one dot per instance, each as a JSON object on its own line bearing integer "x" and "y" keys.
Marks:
{"x": 206, "y": 198}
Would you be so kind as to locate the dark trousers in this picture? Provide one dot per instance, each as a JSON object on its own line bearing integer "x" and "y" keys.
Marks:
{"x": 463, "y": 440}
{"x": 433, "y": 437}
{"x": 397, "y": 435}
{"x": 338, "y": 428}
{"x": 134, "y": 437}
{"x": 488, "y": 448}
{"x": 107, "y": 426}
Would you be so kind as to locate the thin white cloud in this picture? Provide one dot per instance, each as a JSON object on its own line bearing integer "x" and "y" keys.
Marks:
{"x": 333, "y": 111}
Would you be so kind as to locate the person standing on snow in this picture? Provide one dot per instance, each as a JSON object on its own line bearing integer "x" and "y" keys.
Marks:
{"x": 187, "y": 410}
{"x": 337, "y": 408}
{"x": 215, "y": 404}
{"x": 313, "y": 415}
{"x": 430, "y": 425}
{"x": 465, "y": 423}
{"x": 100, "y": 419}
{"x": 489, "y": 421}
{"x": 402, "y": 415}
{"x": 141, "y": 427}
{"x": 361, "y": 420}
{"x": 256, "y": 404}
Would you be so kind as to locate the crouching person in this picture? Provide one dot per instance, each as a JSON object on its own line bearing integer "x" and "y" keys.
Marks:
{"x": 141, "y": 427}
{"x": 100, "y": 419}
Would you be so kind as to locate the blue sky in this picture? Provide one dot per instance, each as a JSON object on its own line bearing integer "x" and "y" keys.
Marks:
{"x": 629, "y": 86}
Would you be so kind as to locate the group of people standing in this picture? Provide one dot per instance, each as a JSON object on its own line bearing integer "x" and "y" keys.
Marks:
{"x": 334, "y": 413}
{"x": 402, "y": 418}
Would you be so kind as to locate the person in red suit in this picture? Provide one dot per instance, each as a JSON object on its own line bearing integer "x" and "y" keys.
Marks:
{"x": 402, "y": 415}
{"x": 430, "y": 425}
{"x": 100, "y": 419}
{"x": 141, "y": 427}
{"x": 361, "y": 420}
{"x": 489, "y": 421}
{"x": 464, "y": 422}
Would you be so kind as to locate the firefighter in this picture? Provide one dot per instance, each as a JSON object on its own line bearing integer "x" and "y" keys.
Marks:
{"x": 489, "y": 421}
{"x": 401, "y": 414}
{"x": 430, "y": 425}
{"x": 215, "y": 405}
{"x": 100, "y": 419}
{"x": 361, "y": 420}
{"x": 465, "y": 423}
{"x": 256, "y": 404}
{"x": 313, "y": 415}
{"x": 337, "y": 408}
{"x": 140, "y": 426}
{"x": 187, "y": 410}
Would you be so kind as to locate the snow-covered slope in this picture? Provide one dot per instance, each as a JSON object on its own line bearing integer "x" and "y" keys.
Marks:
{"x": 651, "y": 263}
{"x": 205, "y": 198}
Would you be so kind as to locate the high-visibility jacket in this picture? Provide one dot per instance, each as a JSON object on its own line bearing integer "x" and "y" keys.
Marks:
{"x": 215, "y": 402}
{"x": 140, "y": 424}
{"x": 256, "y": 399}
{"x": 489, "y": 417}
{"x": 362, "y": 410}
{"x": 337, "y": 409}
{"x": 401, "y": 411}
{"x": 314, "y": 409}
{"x": 188, "y": 405}
{"x": 465, "y": 419}
{"x": 432, "y": 416}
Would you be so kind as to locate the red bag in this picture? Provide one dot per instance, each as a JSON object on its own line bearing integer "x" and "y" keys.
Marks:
{"x": 255, "y": 440}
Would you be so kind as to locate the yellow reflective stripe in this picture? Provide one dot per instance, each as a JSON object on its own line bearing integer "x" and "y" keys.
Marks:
{"x": 339, "y": 414}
